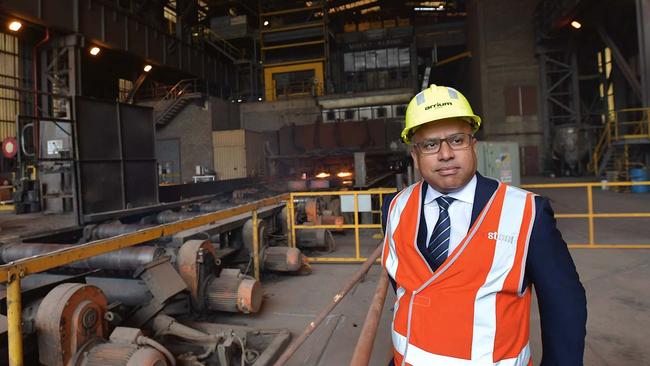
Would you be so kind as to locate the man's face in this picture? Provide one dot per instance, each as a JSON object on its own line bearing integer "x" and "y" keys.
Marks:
{"x": 447, "y": 170}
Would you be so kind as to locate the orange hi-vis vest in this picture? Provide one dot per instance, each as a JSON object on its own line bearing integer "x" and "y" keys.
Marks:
{"x": 471, "y": 311}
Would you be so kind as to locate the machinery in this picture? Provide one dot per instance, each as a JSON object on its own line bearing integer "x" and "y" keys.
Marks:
{"x": 71, "y": 330}
{"x": 74, "y": 326}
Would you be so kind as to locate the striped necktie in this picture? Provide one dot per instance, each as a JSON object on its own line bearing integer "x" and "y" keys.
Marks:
{"x": 439, "y": 242}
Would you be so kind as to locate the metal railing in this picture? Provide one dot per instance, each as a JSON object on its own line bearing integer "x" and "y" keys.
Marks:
{"x": 590, "y": 215}
{"x": 12, "y": 273}
{"x": 622, "y": 125}
{"x": 177, "y": 91}
{"x": 356, "y": 225}
{"x": 218, "y": 42}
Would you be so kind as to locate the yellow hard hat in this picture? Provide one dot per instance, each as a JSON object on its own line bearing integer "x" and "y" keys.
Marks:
{"x": 435, "y": 103}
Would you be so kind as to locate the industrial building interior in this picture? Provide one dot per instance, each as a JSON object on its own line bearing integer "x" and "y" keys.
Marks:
{"x": 199, "y": 182}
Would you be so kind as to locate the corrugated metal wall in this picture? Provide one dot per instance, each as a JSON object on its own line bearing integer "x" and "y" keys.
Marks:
{"x": 9, "y": 77}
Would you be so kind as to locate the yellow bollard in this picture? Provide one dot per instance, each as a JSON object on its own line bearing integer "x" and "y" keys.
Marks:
{"x": 14, "y": 321}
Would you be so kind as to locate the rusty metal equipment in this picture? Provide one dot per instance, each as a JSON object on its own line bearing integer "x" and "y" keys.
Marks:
{"x": 315, "y": 239}
{"x": 276, "y": 259}
{"x": 228, "y": 290}
{"x": 283, "y": 259}
{"x": 234, "y": 292}
{"x": 71, "y": 330}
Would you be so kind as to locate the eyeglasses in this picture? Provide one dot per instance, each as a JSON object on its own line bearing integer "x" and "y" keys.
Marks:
{"x": 457, "y": 141}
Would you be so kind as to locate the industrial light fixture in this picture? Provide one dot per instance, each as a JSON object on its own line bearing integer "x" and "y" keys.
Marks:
{"x": 94, "y": 50}
{"x": 576, "y": 24}
{"x": 266, "y": 23}
{"x": 147, "y": 68}
{"x": 322, "y": 175}
{"x": 15, "y": 26}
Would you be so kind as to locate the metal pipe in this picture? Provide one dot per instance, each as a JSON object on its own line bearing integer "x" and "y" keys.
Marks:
{"x": 128, "y": 259}
{"x": 363, "y": 350}
{"x": 110, "y": 230}
{"x": 212, "y": 206}
{"x": 167, "y": 217}
{"x": 14, "y": 321}
{"x": 37, "y": 144}
{"x": 256, "y": 246}
{"x": 293, "y": 347}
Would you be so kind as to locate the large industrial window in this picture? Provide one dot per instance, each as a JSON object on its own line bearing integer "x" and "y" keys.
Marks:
{"x": 295, "y": 83}
{"x": 377, "y": 69}
{"x": 606, "y": 85}
{"x": 125, "y": 87}
{"x": 9, "y": 81}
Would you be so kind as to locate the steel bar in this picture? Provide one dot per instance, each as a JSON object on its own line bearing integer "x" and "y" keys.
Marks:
{"x": 628, "y": 72}
{"x": 293, "y": 347}
{"x": 363, "y": 350}
{"x": 128, "y": 259}
{"x": 256, "y": 246}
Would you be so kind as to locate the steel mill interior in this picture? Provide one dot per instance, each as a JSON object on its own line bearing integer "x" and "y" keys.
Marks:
{"x": 204, "y": 182}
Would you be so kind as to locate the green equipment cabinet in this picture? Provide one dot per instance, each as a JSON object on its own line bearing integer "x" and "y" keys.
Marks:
{"x": 499, "y": 160}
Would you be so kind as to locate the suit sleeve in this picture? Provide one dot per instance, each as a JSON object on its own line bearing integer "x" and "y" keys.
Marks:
{"x": 561, "y": 297}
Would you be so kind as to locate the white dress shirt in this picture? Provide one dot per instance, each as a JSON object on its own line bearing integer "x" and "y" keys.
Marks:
{"x": 460, "y": 212}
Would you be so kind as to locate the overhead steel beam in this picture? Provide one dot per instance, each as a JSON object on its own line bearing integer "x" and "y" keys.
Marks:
{"x": 643, "y": 31}
{"x": 621, "y": 62}
{"x": 101, "y": 22}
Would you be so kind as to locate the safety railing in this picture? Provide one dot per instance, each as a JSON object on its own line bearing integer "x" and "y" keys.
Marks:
{"x": 12, "y": 273}
{"x": 356, "y": 225}
{"x": 590, "y": 215}
{"x": 624, "y": 124}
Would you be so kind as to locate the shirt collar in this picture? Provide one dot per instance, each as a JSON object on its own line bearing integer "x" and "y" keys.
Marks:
{"x": 465, "y": 194}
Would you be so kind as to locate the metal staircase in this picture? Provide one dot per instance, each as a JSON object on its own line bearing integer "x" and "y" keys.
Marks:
{"x": 625, "y": 129}
{"x": 217, "y": 42}
{"x": 175, "y": 100}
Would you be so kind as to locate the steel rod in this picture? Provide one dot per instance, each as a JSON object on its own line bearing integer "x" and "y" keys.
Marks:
{"x": 363, "y": 350}
{"x": 293, "y": 347}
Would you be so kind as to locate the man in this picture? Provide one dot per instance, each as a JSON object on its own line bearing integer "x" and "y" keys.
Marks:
{"x": 463, "y": 252}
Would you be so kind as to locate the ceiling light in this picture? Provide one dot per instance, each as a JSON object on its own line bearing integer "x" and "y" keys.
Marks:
{"x": 266, "y": 23}
{"x": 95, "y": 50}
{"x": 322, "y": 175}
{"x": 15, "y": 25}
{"x": 576, "y": 24}
{"x": 260, "y": 99}
{"x": 147, "y": 68}
{"x": 344, "y": 174}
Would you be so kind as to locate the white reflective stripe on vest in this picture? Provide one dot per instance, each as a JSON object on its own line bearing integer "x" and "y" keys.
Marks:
{"x": 391, "y": 260}
{"x": 419, "y": 357}
{"x": 485, "y": 322}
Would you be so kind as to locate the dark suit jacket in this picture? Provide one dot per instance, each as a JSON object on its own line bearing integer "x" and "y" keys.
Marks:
{"x": 550, "y": 269}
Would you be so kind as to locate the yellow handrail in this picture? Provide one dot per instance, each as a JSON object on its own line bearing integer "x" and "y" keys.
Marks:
{"x": 356, "y": 225}
{"x": 590, "y": 215}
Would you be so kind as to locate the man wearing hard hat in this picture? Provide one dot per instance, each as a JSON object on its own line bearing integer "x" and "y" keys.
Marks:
{"x": 463, "y": 252}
